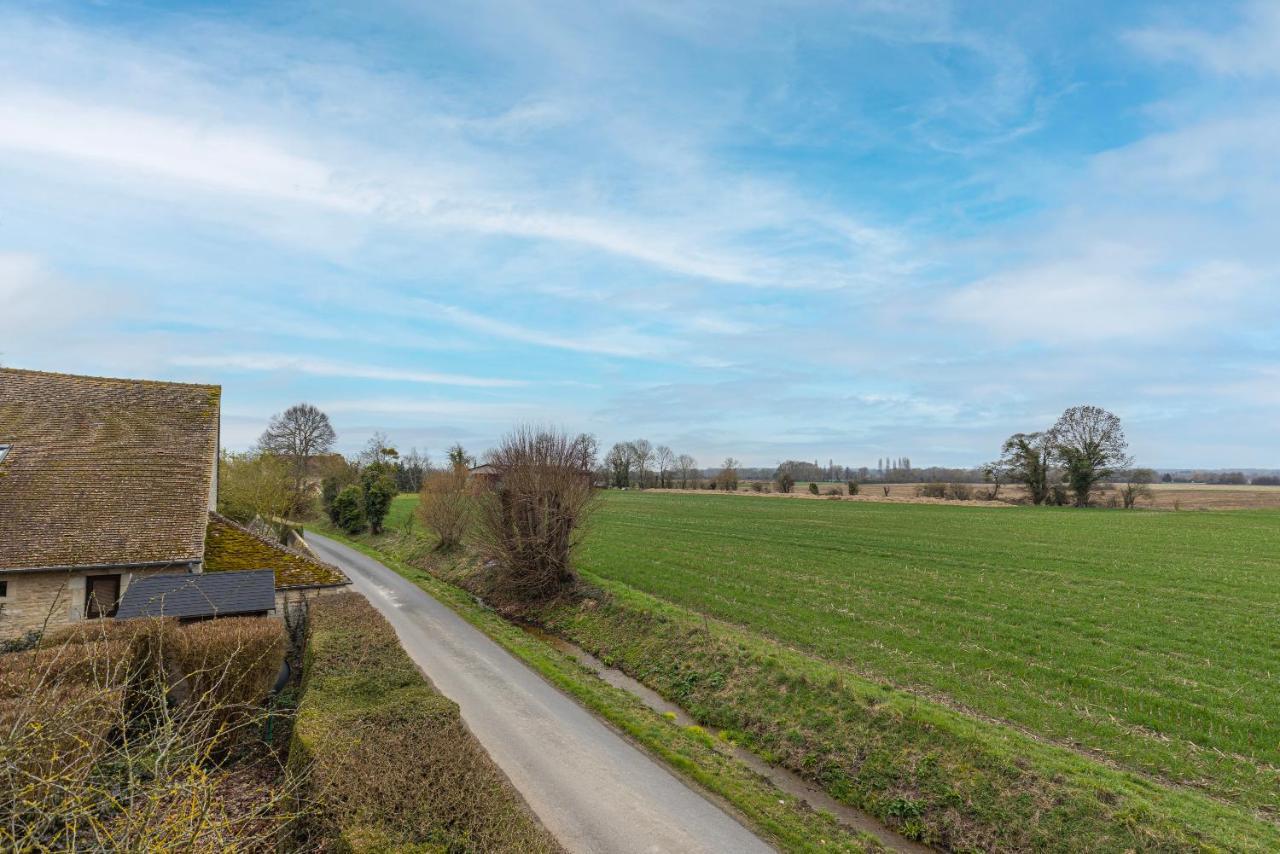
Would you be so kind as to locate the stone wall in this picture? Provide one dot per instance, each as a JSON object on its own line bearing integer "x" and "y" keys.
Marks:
{"x": 35, "y": 600}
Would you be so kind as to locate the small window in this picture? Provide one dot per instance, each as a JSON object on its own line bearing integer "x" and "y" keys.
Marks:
{"x": 4, "y": 451}
{"x": 4, "y": 589}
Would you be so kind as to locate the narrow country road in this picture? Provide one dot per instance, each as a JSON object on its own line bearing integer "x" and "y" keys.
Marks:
{"x": 595, "y": 791}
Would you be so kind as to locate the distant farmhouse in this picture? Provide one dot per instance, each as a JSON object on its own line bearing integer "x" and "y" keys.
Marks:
{"x": 107, "y": 481}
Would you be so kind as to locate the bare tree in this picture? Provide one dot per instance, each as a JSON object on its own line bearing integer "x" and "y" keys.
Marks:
{"x": 1091, "y": 446}
{"x": 1027, "y": 458}
{"x": 642, "y": 458}
{"x": 1137, "y": 486}
{"x": 299, "y": 433}
{"x": 588, "y": 449}
{"x": 412, "y": 470}
{"x": 687, "y": 466}
{"x": 728, "y": 477}
{"x": 378, "y": 450}
{"x": 528, "y": 518}
{"x": 664, "y": 459}
{"x": 445, "y": 505}
{"x": 996, "y": 473}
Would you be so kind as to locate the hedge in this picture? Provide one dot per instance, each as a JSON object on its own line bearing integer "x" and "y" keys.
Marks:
{"x": 382, "y": 760}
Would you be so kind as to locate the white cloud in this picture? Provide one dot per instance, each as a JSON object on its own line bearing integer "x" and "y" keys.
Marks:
{"x": 329, "y": 368}
{"x": 1110, "y": 296}
{"x": 175, "y": 115}
{"x": 1250, "y": 49}
{"x": 204, "y": 154}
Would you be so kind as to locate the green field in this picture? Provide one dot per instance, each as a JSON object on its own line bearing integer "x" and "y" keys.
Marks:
{"x": 1152, "y": 639}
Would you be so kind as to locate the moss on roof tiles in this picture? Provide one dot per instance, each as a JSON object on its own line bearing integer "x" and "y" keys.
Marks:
{"x": 229, "y": 547}
{"x": 104, "y": 470}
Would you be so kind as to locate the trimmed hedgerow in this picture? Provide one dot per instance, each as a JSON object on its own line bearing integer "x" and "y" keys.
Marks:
{"x": 383, "y": 759}
{"x": 226, "y": 667}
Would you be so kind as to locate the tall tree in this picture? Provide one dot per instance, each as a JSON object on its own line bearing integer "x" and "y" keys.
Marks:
{"x": 619, "y": 462}
{"x": 664, "y": 459}
{"x": 411, "y": 470}
{"x": 1091, "y": 446}
{"x": 687, "y": 466}
{"x": 1027, "y": 458}
{"x": 642, "y": 457}
{"x": 459, "y": 458}
{"x": 378, "y": 488}
{"x": 299, "y": 433}
{"x": 587, "y": 450}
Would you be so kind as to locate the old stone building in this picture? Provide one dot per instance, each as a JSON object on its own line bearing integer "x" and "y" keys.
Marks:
{"x": 102, "y": 481}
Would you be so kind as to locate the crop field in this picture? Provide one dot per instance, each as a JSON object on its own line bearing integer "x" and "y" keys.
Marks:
{"x": 1164, "y": 496}
{"x": 1150, "y": 639}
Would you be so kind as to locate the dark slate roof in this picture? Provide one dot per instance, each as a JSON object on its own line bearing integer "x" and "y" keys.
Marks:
{"x": 104, "y": 471}
{"x": 220, "y": 594}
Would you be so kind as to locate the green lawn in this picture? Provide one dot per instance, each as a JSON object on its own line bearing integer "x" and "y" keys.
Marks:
{"x": 1150, "y": 638}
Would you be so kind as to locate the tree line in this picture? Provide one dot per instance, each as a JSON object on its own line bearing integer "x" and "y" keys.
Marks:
{"x": 294, "y": 462}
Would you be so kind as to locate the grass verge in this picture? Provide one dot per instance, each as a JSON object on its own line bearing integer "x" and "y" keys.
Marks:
{"x": 384, "y": 760}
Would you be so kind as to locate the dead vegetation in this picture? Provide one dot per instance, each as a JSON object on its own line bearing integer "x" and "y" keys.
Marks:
{"x": 128, "y": 736}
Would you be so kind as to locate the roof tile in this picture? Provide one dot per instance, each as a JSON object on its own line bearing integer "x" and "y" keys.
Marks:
{"x": 103, "y": 471}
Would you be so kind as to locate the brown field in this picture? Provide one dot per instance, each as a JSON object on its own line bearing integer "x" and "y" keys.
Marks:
{"x": 1165, "y": 496}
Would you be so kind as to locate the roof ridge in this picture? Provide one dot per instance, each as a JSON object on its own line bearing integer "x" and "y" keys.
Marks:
{"x": 32, "y": 372}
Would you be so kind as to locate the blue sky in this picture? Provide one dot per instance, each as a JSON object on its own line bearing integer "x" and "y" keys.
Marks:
{"x": 804, "y": 230}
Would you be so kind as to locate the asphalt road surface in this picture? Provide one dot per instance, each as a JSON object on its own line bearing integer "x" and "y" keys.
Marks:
{"x": 594, "y": 790}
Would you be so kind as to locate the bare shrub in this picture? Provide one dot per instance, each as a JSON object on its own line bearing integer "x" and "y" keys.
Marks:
{"x": 528, "y": 518}
{"x": 96, "y": 755}
{"x": 1137, "y": 487}
{"x": 832, "y": 490}
{"x": 959, "y": 492}
{"x": 931, "y": 490}
{"x": 445, "y": 507}
{"x": 757, "y": 486}
{"x": 886, "y": 490}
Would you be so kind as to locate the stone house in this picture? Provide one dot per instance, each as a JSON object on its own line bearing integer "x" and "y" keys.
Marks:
{"x": 103, "y": 481}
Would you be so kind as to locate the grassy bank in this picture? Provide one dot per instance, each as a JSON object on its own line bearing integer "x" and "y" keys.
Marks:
{"x": 1146, "y": 638}
{"x": 384, "y": 761}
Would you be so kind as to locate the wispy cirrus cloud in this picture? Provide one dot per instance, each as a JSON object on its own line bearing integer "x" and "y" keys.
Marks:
{"x": 617, "y": 341}
{"x": 319, "y": 367}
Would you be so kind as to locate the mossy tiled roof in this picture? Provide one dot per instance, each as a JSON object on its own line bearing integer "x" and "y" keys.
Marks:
{"x": 229, "y": 547}
{"x": 103, "y": 471}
